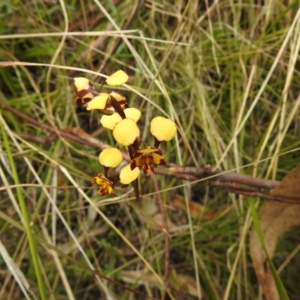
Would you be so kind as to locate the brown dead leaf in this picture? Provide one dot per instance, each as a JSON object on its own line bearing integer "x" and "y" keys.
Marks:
{"x": 183, "y": 284}
{"x": 139, "y": 277}
{"x": 290, "y": 185}
{"x": 196, "y": 209}
{"x": 275, "y": 219}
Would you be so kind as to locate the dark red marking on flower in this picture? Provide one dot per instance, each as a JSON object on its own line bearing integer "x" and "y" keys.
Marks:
{"x": 156, "y": 151}
{"x": 133, "y": 165}
{"x": 162, "y": 161}
{"x": 148, "y": 168}
{"x": 85, "y": 95}
{"x": 116, "y": 105}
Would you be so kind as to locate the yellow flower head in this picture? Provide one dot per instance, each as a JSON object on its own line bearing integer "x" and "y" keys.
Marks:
{"x": 128, "y": 175}
{"x": 110, "y": 157}
{"x": 126, "y": 132}
{"x": 110, "y": 122}
{"x": 146, "y": 157}
{"x": 84, "y": 90}
{"x": 163, "y": 129}
{"x": 106, "y": 186}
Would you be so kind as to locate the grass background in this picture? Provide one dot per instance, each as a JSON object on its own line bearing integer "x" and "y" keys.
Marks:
{"x": 226, "y": 71}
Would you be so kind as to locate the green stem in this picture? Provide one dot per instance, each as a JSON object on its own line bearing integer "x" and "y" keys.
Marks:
{"x": 26, "y": 220}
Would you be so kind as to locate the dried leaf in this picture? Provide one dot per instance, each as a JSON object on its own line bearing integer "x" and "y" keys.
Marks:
{"x": 289, "y": 186}
{"x": 275, "y": 219}
{"x": 183, "y": 284}
{"x": 158, "y": 221}
{"x": 196, "y": 208}
{"x": 139, "y": 277}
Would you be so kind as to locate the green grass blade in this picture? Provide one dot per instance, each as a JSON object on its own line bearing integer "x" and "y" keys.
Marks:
{"x": 20, "y": 197}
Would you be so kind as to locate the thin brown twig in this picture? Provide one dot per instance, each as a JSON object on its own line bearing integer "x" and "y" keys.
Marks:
{"x": 208, "y": 171}
{"x": 252, "y": 192}
{"x": 232, "y": 181}
{"x": 55, "y": 131}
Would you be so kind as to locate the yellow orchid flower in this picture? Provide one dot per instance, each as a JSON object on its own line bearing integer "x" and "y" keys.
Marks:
{"x": 146, "y": 158}
{"x": 106, "y": 186}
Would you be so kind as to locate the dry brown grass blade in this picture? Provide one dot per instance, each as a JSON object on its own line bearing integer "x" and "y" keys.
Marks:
{"x": 275, "y": 219}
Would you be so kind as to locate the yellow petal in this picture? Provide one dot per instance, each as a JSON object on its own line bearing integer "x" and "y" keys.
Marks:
{"x": 98, "y": 102}
{"x": 110, "y": 122}
{"x": 132, "y": 113}
{"x": 137, "y": 161}
{"x": 126, "y": 132}
{"x": 162, "y": 128}
{"x": 81, "y": 83}
{"x": 110, "y": 189}
{"x": 110, "y": 157}
{"x": 117, "y": 78}
{"x": 127, "y": 175}
{"x": 158, "y": 159}
{"x": 148, "y": 150}
{"x": 99, "y": 179}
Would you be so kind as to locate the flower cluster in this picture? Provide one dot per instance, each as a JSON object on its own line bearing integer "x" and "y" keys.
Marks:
{"x": 122, "y": 120}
